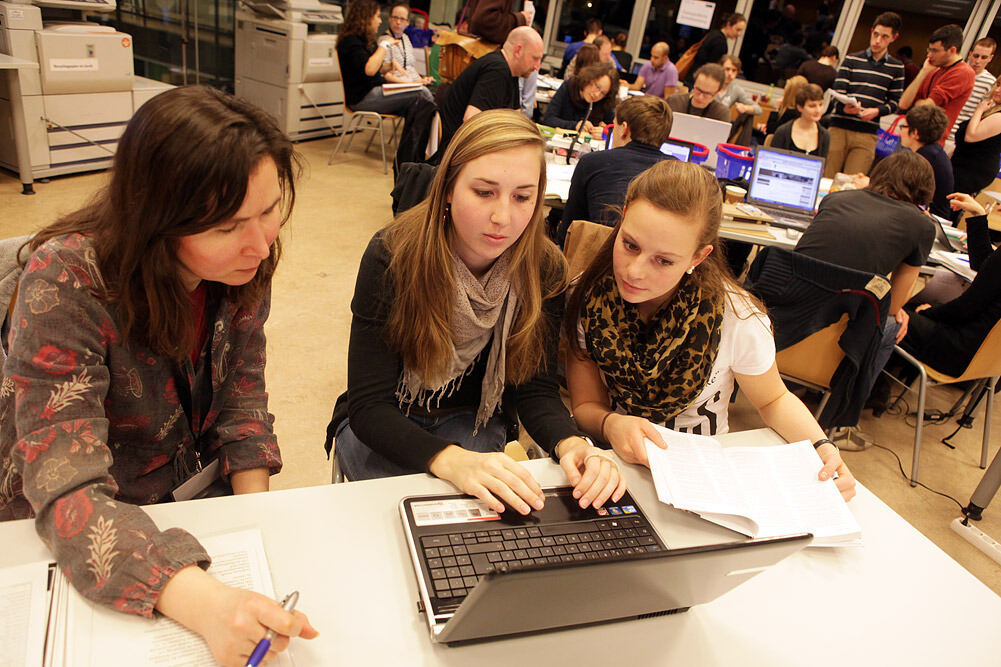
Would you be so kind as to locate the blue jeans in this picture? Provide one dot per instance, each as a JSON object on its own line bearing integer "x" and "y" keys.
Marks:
{"x": 359, "y": 462}
{"x": 374, "y": 100}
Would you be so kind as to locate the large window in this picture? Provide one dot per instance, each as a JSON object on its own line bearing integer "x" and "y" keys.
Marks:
{"x": 781, "y": 36}
{"x": 614, "y": 15}
{"x": 662, "y": 26}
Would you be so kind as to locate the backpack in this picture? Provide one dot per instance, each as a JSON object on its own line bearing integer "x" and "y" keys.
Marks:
{"x": 684, "y": 63}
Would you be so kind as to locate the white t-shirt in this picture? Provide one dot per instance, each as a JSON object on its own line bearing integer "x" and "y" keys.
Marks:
{"x": 747, "y": 347}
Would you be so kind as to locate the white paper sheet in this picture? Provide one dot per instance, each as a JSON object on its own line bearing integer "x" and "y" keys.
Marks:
{"x": 102, "y": 636}
{"x": 23, "y": 601}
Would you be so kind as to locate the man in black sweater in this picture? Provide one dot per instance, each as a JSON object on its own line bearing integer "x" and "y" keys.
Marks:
{"x": 490, "y": 82}
{"x": 600, "y": 179}
{"x": 920, "y": 131}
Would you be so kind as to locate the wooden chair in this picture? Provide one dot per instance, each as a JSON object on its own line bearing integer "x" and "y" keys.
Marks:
{"x": 768, "y": 139}
{"x": 985, "y": 365}
{"x": 584, "y": 239}
{"x": 812, "y": 361}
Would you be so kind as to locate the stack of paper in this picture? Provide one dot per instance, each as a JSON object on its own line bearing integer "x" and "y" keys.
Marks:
{"x": 45, "y": 622}
{"x": 757, "y": 491}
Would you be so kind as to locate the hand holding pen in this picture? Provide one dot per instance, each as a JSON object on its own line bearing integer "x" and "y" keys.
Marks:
{"x": 261, "y": 650}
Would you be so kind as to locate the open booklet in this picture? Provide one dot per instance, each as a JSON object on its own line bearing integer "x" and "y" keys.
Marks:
{"x": 757, "y": 491}
{"x": 55, "y": 625}
{"x": 397, "y": 88}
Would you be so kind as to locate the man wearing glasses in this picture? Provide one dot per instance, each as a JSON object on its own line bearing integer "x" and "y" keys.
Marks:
{"x": 399, "y": 51}
{"x": 945, "y": 79}
{"x": 874, "y": 80}
{"x": 709, "y": 80}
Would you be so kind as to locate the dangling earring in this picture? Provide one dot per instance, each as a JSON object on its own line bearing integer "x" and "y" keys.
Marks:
{"x": 690, "y": 269}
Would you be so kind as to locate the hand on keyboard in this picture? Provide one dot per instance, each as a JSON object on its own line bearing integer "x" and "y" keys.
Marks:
{"x": 495, "y": 478}
{"x": 593, "y": 472}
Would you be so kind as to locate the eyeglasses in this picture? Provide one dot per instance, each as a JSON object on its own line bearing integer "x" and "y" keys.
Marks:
{"x": 704, "y": 93}
{"x": 399, "y": 18}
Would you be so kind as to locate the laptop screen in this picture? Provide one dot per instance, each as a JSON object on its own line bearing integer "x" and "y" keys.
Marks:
{"x": 677, "y": 150}
{"x": 786, "y": 179}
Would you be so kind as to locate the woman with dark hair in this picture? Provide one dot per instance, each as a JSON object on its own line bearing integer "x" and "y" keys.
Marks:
{"x": 136, "y": 363}
{"x": 805, "y": 134}
{"x": 594, "y": 88}
{"x": 714, "y": 44}
{"x": 454, "y": 329}
{"x": 363, "y": 63}
{"x": 658, "y": 329}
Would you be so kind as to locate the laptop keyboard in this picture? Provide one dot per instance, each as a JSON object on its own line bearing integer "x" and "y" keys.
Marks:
{"x": 457, "y": 561}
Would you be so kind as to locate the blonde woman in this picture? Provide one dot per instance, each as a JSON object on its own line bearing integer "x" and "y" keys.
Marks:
{"x": 659, "y": 330}
{"x": 787, "y": 110}
{"x": 978, "y": 145}
{"x": 455, "y": 324}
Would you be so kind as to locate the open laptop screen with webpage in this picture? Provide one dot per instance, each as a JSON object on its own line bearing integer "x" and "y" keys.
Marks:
{"x": 785, "y": 180}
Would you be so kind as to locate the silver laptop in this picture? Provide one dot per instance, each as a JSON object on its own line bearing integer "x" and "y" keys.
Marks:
{"x": 705, "y": 131}
{"x": 482, "y": 575}
{"x": 784, "y": 184}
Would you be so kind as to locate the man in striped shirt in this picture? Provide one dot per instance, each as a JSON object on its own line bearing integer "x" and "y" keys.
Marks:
{"x": 980, "y": 57}
{"x": 875, "y": 80}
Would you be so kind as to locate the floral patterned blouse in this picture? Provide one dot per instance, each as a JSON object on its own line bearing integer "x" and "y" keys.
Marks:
{"x": 92, "y": 426}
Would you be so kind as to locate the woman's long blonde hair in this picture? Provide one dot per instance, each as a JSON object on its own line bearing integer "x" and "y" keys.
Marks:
{"x": 789, "y": 93}
{"x": 421, "y": 262}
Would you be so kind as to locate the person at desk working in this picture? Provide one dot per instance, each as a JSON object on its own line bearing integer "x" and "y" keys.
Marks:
{"x": 593, "y": 89}
{"x": 362, "y": 62}
{"x": 454, "y": 332}
{"x": 880, "y": 229}
{"x": 137, "y": 356}
{"x": 490, "y": 82}
{"x": 600, "y": 179}
{"x": 700, "y": 101}
{"x": 946, "y": 336}
{"x": 659, "y": 77}
{"x": 920, "y": 131}
{"x": 658, "y": 329}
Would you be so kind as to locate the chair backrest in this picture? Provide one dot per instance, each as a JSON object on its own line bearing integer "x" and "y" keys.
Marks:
{"x": 815, "y": 358}
{"x": 584, "y": 238}
{"x": 768, "y": 139}
{"x": 986, "y": 362}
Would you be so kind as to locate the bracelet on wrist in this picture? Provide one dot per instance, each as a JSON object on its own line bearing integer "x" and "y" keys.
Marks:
{"x": 603, "y": 420}
{"x": 824, "y": 441}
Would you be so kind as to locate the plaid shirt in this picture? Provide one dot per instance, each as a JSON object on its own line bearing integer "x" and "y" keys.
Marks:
{"x": 92, "y": 426}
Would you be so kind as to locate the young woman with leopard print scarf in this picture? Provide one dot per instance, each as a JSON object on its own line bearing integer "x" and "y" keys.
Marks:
{"x": 659, "y": 329}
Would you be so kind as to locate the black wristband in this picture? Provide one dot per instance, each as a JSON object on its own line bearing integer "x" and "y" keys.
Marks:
{"x": 823, "y": 441}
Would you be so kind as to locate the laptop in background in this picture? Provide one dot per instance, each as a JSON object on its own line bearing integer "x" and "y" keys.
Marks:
{"x": 483, "y": 575}
{"x": 784, "y": 184}
{"x": 679, "y": 150}
{"x": 705, "y": 131}
{"x": 942, "y": 240}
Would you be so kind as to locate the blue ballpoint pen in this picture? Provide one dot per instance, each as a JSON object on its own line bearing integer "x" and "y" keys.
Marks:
{"x": 288, "y": 604}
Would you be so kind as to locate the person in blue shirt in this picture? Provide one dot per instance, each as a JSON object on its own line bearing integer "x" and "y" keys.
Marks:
{"x": 920, "y": 131}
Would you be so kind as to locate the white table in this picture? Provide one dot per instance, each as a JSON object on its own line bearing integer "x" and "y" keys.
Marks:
{"x": 898, "y": 600}
{"x": 12, "y": 67}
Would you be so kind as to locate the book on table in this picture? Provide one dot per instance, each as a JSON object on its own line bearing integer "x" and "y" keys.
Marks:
{"x": 756, "y": 491}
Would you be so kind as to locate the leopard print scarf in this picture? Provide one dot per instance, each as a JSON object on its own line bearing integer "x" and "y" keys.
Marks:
{"x": 652, "y": 369}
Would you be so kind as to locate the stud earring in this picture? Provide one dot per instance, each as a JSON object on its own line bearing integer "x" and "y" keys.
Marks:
{"x": 690, "y": 269}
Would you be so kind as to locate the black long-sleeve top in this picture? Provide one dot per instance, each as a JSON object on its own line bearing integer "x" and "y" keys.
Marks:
{"x": 567, "y": 109}
{"x": 353, "y": 53}
{"x": 374, "y": 370}
{"x": 958, "y": 327}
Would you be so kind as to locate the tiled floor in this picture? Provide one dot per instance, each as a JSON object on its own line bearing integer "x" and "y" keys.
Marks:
{"x": 338, "y": 209}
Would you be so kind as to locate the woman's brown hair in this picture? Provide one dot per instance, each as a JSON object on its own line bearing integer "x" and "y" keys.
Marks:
{"x": 358, "y": 20}
{"x": 591, "y": 73}
{"x": 421, "y": 263}
{"x": 686, "y": 190}
{"x": 588, "y": 54}
{"x": 182, "y": 167}
{"x": 905, "y": 176}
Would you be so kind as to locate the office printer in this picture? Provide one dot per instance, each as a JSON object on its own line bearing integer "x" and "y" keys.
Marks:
{"x": 78, "y": 101}
{"x": 286, "y": 63}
